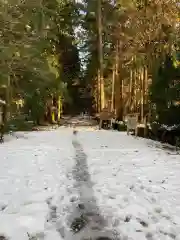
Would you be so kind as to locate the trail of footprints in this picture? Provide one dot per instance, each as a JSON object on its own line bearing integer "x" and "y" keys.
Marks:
{"x": 93, "y": 220}
{"x": 154, "y": 217}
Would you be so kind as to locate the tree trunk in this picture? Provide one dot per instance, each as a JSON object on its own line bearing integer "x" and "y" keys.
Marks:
{"x": 130, "y": 90}
{"x": 8, "y": 101}
{"x": 120, "y": 97}
{"x": 99, "y": 91}
{"x": 102, "y": 94}
{"x": 146, "y": 84}
{"x": 113, "y": 87}
{"x": 142, "y": 92}
{"x": 59, "y": 108}
{"x": 135, "y": 91}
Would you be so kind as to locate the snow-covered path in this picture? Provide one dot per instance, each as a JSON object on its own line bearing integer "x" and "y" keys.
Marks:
{"x": 113, "y": 184}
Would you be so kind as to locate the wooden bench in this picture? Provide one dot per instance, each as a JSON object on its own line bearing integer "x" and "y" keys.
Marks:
{"x": 132, "y": 123}
{"x": 106, "y": 116}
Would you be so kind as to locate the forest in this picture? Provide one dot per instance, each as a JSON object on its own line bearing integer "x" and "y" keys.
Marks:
{"x": 66, "y": 56}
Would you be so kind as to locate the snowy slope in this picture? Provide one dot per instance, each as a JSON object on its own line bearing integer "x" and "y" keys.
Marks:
{"x": 117, "y": 185}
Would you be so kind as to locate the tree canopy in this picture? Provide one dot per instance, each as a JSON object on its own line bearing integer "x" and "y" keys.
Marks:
{"x": 115, "y": 52}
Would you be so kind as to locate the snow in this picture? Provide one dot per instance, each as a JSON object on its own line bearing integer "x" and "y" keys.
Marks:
{"x": 124, "y": 187}
{"x": 2, "y": 102}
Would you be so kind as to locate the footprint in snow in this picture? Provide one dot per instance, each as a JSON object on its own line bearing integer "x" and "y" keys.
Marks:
{"x": 78, "y": 224}
{"x": 158, "y": 209}
{"x": 3, "y": 238}
{"x": 75, "y": 132}
{"x": 2, "y": 208}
